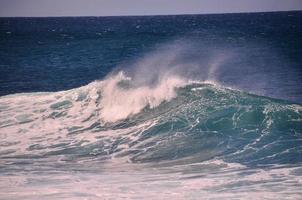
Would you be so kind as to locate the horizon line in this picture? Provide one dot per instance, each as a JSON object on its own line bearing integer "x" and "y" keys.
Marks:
{"x": 150, "y": 15}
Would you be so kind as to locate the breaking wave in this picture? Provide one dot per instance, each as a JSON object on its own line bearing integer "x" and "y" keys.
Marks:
{"x": 174, "y": 120}
{"x": 163, "y": 108}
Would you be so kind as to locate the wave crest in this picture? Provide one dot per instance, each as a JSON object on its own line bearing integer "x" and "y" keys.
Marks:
{"x": 121, "y": 99}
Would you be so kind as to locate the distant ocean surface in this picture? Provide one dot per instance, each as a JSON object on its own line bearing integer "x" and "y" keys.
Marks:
{"x": 153, "y": 107}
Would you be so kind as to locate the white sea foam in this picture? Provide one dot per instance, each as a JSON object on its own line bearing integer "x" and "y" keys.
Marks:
{"x": 118, "y": 102}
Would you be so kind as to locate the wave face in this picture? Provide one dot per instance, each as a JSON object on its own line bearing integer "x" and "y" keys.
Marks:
{"x": 169, "y": 121}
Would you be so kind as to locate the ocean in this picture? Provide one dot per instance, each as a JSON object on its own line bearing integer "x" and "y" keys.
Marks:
{"x": 151, "y": 107}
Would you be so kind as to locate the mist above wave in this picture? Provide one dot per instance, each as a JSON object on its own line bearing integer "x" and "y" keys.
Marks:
{"x": 154, "y": 78}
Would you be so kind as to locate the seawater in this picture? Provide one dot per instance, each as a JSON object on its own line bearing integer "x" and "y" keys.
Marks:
{"x": 157, "y": 107}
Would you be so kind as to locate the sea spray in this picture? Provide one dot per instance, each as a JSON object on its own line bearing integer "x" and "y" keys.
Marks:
{"x": 119, "y": 101}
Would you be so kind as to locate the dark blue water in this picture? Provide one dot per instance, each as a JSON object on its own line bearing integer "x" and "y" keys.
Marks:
{"x": 53, "y": 54}
{"x": 154, "y": 107}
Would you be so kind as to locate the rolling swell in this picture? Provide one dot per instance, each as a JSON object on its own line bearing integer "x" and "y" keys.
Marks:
{"x": 182, "y": 122}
